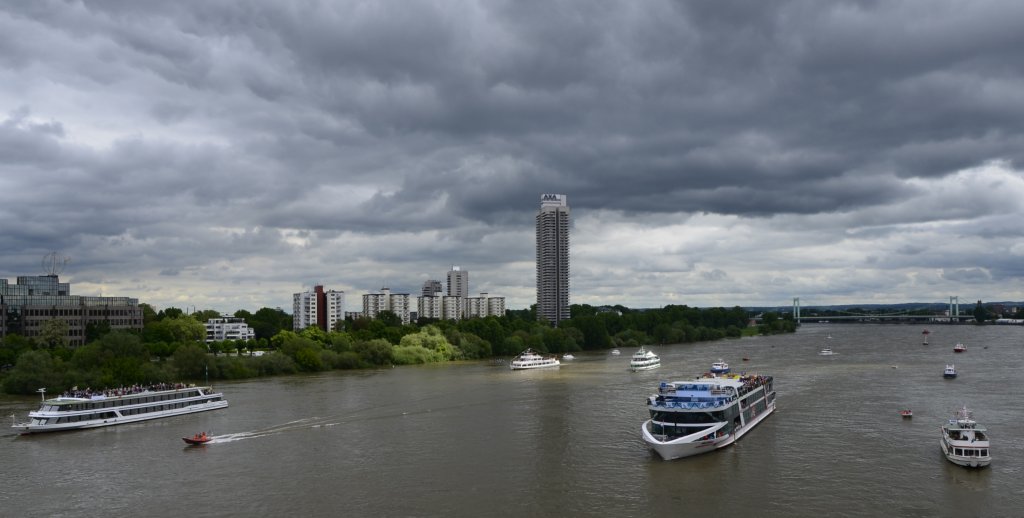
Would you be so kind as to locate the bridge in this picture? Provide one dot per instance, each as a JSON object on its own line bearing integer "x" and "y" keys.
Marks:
{"x": 951, "y": 316}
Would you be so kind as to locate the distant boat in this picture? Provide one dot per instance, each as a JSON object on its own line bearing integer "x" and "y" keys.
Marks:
{"x": 568, "y": 356}
{"x": 826, "y": 352}
{"x": 615, "y": 352}
{"x": 950, "y": 372}
{"x": 907, "y": 413}
{"x": 959, "y": 348}
{"x": 925, "y": 333}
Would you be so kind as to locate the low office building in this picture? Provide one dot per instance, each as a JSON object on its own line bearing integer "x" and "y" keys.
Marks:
{"x": 35, "y": 300}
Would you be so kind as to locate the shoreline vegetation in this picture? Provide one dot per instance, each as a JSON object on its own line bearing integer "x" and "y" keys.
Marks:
{"x": 170, "y": 349}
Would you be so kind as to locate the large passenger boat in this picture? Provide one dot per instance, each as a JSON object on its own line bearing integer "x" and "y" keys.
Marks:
{"x": 88, "y": 409}
{"x": 964, "y": 442}
{"x": 706, "y": 413}
{"x": 644, "y": 359}
{"x": 531, "y": 360}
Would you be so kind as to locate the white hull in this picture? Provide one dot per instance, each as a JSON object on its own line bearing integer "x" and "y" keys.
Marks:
{"x": 645, "y": 367}
{"x": 688, "y": 446}
{"x": 969, "y": 462}
{"x": 554, "y": 365}
{"x": 96, "y": 423}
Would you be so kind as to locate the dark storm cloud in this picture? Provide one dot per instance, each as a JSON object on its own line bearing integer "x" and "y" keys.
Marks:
{"x": 199, "y": 137}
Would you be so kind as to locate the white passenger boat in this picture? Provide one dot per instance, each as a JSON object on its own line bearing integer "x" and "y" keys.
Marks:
{"x": 709, "y": 412}
{"x": 531, "y": 360}
{"x": 87, "y": 409}
{"x": 644, "y": 360}
{"x": 720, "y": 367}
{"x": 964, "y": 442}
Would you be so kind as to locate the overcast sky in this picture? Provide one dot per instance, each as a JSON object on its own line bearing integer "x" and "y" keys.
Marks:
{"x": 225, "y": 155}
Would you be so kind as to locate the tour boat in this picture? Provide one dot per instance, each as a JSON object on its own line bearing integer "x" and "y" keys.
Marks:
{"x": 531, "y": 360}
{"x": 719, "y": 367}
{"x": 959, "y": 348}
{"x": 706, "y": 413}
{"x": 950, "y": 371}
{"x": 907, "y": 413}
{"x": 644, "y": 360}
{"x": 964, "y": 442}
{"x": 91, "y": 409}
{"x": 197, "y": 439}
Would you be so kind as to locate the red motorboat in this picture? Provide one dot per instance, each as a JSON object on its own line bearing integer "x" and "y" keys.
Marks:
{"x": 906, "y": 413}
{"x": 959, "y": 348}
{"x": 197, "y": 439}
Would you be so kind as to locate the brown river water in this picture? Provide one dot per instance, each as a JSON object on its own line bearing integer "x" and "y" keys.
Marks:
{"x": 476, "y": 439}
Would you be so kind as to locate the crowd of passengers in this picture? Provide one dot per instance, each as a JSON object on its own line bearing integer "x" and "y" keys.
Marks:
{"x": 89, "y": 393}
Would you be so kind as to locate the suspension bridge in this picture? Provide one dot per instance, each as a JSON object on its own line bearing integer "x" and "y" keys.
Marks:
{"x": 951, "y": 315}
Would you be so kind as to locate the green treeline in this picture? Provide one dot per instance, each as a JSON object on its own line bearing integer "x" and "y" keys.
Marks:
{"x": 170, "y": 347}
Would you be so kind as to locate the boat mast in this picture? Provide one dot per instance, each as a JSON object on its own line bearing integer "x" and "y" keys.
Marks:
{"x": 42, "y": 393}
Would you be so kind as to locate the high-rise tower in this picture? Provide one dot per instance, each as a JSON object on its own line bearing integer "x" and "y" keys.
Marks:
{"x": 458, "y": 282}
{"x": 553, "y": 259}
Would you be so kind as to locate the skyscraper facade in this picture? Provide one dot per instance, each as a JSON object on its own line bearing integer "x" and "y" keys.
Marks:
{"x": 553, "y": 259}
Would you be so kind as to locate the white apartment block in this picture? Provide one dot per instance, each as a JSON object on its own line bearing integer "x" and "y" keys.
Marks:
{"x": 317, "y": 307}
{"x": 452, "y": 308}
{"x": 397, "y": 303}
{"x": 429, "y": 306}
{"x": 228, "y": 328}
{"x": 485, "y": 306}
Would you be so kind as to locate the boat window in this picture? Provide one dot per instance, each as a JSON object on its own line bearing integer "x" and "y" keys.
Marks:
{"x": 984, "y": 452}
{"x": 958, "y": 451}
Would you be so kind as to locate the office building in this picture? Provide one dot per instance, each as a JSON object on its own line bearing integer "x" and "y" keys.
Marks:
{"x": 34, "y": 300}
{"x": 553, "y": 259}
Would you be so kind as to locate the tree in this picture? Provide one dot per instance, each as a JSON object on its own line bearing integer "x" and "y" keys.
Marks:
{"x": 35, "y": 370}
{"x": 53, "y": 334}
{"x": 204, "y": 315}
{"x": 190, "y": 361}
{"x": 96, "y": 330}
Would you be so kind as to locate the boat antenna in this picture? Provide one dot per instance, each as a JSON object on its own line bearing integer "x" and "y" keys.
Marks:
{"x": 42, "y": 393}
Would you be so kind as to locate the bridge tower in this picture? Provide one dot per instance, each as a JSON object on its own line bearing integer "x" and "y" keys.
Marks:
{"x": 796, "y": 309}
{"x": 954, "y": 308}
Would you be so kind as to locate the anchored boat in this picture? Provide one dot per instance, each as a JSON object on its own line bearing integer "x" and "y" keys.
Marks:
{"x": 964, "y": 441}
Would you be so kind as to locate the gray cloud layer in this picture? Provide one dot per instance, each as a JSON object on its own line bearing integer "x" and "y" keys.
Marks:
{"x": 225, "y": 154}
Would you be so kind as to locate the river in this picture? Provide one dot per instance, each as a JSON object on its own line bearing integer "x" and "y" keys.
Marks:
{"x": 475, "y": 439}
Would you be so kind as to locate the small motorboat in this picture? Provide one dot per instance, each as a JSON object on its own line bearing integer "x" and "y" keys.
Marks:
{"x": 746, "y": 359}
{"x": 959, "y": 348}
{"x": 197, "y": 439}
{"x": 950, "y": 372}
{"x": 568, "y": 356}
{"x": 907, "y": 414}
{"x": 719, "y": 367}
{"x": 615, "y": 352}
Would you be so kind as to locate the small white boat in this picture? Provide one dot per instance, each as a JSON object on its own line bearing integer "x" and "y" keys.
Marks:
{"x": 568, "y": 356}
{"x": 950, "y": 372}
{"x": 964, "y": 442}
{"x": 615, "y": 352}
{"x": 826, "y": 352}
{"x": 531, "y": 360}
{"x": 720, "y": 367}
{"x": 644, "y": 360}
